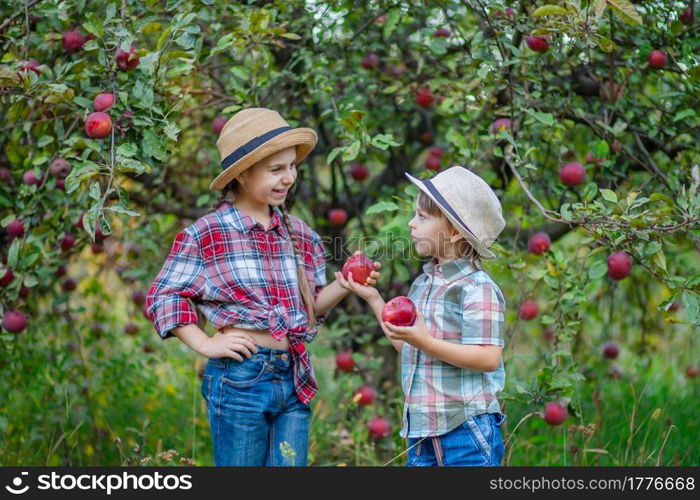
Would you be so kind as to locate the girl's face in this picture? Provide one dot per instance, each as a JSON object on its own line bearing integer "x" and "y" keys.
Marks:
{"x": 268, "y": 182}
{"x": 431, "y": 235}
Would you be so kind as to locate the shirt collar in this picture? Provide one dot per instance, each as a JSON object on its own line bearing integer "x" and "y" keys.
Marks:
{"x": 450, "y": 270}
{"x": 245, "y": 223}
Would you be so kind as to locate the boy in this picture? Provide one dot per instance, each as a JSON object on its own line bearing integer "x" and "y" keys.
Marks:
{"x": 451, "y": 364}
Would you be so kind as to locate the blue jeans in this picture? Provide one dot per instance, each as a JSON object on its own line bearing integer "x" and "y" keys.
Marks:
{"x": 477, "y": 441}
{"x": 255, "y": 416}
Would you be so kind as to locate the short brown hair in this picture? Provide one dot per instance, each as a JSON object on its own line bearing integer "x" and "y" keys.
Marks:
{"x": 464, "y": 249}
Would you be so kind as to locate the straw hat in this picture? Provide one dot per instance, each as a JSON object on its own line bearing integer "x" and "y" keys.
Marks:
{"x": 469, "y": 203}
{"x": 256, "y": 133}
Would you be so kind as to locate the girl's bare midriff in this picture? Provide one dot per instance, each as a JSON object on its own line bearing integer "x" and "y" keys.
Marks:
{"x": 262, "y": 338}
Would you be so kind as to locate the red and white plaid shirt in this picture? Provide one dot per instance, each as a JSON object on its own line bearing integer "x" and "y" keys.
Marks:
{"x": 241, "y": 275}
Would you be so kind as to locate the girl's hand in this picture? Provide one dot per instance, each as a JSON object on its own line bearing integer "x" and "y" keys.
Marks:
{"x": 232, "y": 344}
{"x": 415, "y": 335}
{"x": 367, "y": 291}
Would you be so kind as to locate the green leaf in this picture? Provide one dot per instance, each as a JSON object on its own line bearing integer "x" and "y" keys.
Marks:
{"x": 660, "y": 259}
{"x": 606, "y": 44}
{"x": 171, "y": 131}
{"x": 546, "y": 118}
{"x": 152, "y": 145}
{"x": 691, "y": 305}
{"x": 590, "y": 192}
{"x": 95, "y": 190}
{"x": 351, "y": 151}
{"x": 335, "y": 152}
{"x": 224, "y": 43}
{"x": 384, "y": 141}
{"x": 121, "y": 209}
{"x": 682, "y": 115}
{"x": 536, "y": 274}
{"x": 162, "y": 39}
{"x": 597, "y": 270}
{"x": 626, "y": 11}
{"x": 550, "y": 10}
{"x": 609, "y": 195}
{"x": 382, "y": 206}
{"x": 13, "y": 254}
{"x": 661, "y": 197}
{"x": 127, "y": 149}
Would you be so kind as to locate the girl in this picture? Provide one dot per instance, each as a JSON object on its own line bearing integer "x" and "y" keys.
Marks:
{"x": 258, "y": 275}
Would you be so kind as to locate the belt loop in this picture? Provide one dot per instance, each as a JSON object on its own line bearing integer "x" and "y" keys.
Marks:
{"x": 437, "y": 448}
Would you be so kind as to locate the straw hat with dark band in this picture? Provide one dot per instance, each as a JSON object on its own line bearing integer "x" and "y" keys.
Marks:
{"x": 256, "y": 133}
{"x": 469, "y": 203}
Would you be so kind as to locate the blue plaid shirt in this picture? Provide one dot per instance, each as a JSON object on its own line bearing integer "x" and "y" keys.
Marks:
{"x": 461, "y": 305}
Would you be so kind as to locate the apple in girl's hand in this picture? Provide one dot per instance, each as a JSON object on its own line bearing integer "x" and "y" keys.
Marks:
{"x": 360, "y": 266}
{"x": 399, "y": 311}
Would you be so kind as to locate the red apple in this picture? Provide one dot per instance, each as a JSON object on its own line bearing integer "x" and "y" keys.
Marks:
{"x": 67, "y": 242}
{"x": 337, "y": 216}
{"x": 442, "y": 33}
{"x": 139, "y": 297}
{"x": 616, "y": 146}
{"x": 677, "y": 304}
{"x": 370, "y": 61}
{"x": 686, "y": 16}
{"x": 378, "y": 428}
{"x": 367, "y": 395}
{"x": 593, "y": 159}
{"x": 30, "y": 178}
{"x": 103, "y": 102}
{"x": 69, "y": 284}
{"x": 96, "y": 248}
{"x": 61, "y": 184}
{"x": 60, "y": 168}
{"x": 61, "y": 271}
{"x": 432, "y": 162}
{"x": 359, "y": 171}
{"x": 537, "y": 43}
{"x": 344, "y": 361}
{"x": 73, "y": 41}
{"x": 7, "y": 277}
{"x": 98, "y": 125}
{"x": 426, "y": 137}
{"x": 425, "y": 97}
{"x": 14, "y": 321}
{"x": 436, "y": 151}
{"x": 26, "y": 67}
{"x": 127, "y": 60}
{"x": 24, "y": 292}
{"x": 5, "y": 175}
{"x": 528, "y": 310}
{"x": 539, "y": 243}
{"x": 16, "y": 228}
{"x": 555, "y": 413}
{"x": 619, "y": 265}
{"x": 219, "y": 123}
{"x": 400, "y": 311}
{"x": 611, "y": 350}
{"x": 657, "y": 59}
{"x": 360, "y": 266}
{"x": 131, "y": 328}
{"x": 572, "y": 174}
{"x": 548, "y": 334}
{"x": 691, "y": 371}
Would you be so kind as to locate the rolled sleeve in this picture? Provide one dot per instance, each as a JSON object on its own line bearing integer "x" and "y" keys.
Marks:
{"x": 483, "y": 315}
{"x": 180, "y": 280}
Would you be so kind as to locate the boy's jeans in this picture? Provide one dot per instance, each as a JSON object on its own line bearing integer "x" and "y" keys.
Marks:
{"x": 255, "y": 416}
{"x": 477, "y": 441}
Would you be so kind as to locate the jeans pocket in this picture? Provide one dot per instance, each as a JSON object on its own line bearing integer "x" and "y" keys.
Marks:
{"x": 206, "y": 387}
{"x": 241, "y": 374}
{"x": 481, "y": 433}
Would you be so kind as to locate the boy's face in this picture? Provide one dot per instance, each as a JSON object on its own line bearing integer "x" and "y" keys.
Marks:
{"x": 432, "y": 236}
{"x": 270, "y": 179}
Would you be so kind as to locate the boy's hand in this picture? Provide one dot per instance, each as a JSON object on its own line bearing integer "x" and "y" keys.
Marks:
{"x": 366, "y": 291}
{"x": 415, "y": 335}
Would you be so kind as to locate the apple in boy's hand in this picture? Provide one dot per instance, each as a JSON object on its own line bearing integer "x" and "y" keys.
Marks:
{"x": 399, "y": 311}
{"x": 360, "y": 266}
